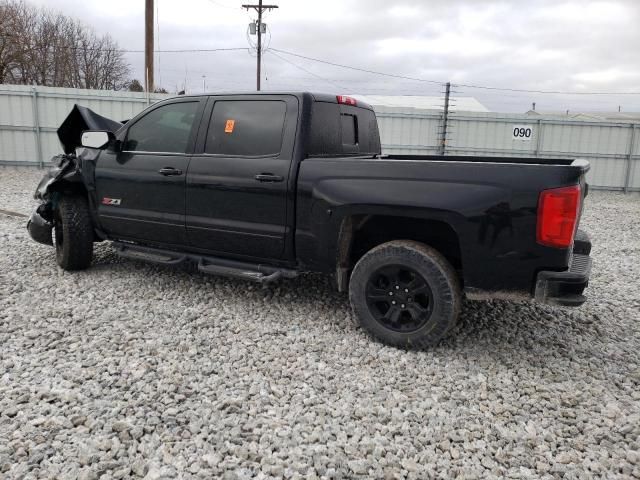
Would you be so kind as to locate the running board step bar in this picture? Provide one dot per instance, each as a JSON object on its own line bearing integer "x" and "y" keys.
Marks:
{"x": 148, "y": 255}
{"x": 213, "y": 265}
{"x": 246, "y": 271}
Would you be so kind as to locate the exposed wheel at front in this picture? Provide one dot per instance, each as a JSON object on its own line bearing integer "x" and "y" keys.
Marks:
{"x": 405, "y": 294}
{"x": 73, "y": 233}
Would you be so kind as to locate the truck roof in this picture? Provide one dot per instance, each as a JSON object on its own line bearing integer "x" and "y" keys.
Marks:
{"x": 317, "y": 97}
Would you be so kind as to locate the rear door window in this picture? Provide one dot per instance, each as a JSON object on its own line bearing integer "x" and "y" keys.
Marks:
{"x": 247, "y": 128}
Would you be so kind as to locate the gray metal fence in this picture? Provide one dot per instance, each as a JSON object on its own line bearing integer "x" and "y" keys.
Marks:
{"x": 612, "y": 148}
{"x": 29, "y": 117}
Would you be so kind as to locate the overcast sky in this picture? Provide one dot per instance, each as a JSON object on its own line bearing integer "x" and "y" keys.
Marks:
{"x": 582, "y": 46}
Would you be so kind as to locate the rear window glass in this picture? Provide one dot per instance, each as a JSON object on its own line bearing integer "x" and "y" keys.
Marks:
{"x": 246, "y": 127}
{"x": 349, "y": 129}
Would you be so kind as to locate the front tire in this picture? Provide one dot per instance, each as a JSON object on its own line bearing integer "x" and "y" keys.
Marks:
{"x": 73, "y": 233}
{"x": 405, "y": 294}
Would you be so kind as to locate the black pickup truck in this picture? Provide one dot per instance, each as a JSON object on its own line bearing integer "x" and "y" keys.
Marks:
{"x": 266, "y": 186}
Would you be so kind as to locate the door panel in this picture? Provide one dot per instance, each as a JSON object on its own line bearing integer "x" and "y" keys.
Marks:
{"x": 141, "y": 189}
{"x": 150, "y": 205}
{"x": 228, "y": 209}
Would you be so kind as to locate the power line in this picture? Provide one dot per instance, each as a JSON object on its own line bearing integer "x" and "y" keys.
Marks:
{"x": 484, "y": 87}
{"x": 305, "y": 70}
{"x": 553, "y": 92}
{"x": 225, "y": 6}
{"x": 187, "y": 50}
{"x": 97, "y": 49}
{"x": 356, "y": 68}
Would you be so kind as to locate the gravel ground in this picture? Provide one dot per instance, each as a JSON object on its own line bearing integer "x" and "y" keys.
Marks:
{"x": 134, "y": 370}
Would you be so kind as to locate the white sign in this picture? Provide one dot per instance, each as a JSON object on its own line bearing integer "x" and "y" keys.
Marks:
{"x": 522, "y": 132}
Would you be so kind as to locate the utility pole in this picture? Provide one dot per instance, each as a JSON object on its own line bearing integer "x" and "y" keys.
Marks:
{"x": 445, "y": 119}
{"x": 148, "y": 46}
{"x": 259, "y": 8}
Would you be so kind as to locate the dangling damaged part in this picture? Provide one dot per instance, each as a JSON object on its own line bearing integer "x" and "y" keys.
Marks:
{"x": 72, "y": 171}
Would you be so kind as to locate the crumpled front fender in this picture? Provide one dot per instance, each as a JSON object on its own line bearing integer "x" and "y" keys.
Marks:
{"x": 66, "y": 168}
{"x": 71, "y": 172}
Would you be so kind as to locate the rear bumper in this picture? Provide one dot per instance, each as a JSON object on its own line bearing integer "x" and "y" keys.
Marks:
{"x": 566, "y": 288}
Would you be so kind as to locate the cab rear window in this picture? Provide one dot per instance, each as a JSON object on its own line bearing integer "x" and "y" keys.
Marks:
{"x": 349, "y": 124}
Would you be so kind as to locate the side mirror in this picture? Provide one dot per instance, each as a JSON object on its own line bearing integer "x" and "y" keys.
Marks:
{"x": 99, "y": 139}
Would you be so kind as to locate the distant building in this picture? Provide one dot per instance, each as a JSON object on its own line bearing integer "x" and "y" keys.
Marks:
{"x": 457, "y": 104}
{"x": 588, "y": 116}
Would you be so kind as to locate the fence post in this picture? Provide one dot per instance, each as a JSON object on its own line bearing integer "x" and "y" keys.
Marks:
{"x": 538, "y": 137}
{"x": 627, "y": 175}
{"x": 445, "y": 119}
{"x": 36, "y": 125}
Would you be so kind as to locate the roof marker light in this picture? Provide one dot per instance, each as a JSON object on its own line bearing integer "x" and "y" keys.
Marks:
{"x": 343, "y": 99}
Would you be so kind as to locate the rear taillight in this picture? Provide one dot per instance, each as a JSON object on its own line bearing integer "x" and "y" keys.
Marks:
{"x": 346, "y": 100}
{"x": 558, "y": 210}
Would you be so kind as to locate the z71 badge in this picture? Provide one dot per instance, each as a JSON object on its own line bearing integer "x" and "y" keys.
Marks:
{"x": 111, "y": 201}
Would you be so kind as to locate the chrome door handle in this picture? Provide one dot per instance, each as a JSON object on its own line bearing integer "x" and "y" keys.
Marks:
{"x": 168, "y": 171}
{"x": 268, "y": 177}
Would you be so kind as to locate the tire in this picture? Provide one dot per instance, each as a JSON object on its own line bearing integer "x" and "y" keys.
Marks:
{"x": 421, "y": 282}
{"x": 73, "y": 233}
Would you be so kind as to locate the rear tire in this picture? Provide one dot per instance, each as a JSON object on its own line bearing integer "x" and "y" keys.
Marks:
{"x": 73, "y": 233}
{"x": 405, "y": 294}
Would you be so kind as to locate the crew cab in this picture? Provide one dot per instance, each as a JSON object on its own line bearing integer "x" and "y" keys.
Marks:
{"x": 265, "y": 186}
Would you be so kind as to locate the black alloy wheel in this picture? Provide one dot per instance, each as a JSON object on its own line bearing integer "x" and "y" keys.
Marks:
{"x": 399, "y": 298}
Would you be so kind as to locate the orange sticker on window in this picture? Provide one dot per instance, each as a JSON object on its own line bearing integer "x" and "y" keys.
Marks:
{"x": 228, "y": 128}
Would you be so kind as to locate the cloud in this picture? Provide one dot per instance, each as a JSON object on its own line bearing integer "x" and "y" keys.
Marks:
{"x": 537, "y": 45}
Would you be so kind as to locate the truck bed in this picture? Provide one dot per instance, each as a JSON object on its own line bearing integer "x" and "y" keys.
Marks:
{"x": 489, "y": 202}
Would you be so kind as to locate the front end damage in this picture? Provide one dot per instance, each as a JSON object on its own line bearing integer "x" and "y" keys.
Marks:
{"x": 72, "y": 172}
{"x": 65, "y": 172}
{"x": 40, "y": 224}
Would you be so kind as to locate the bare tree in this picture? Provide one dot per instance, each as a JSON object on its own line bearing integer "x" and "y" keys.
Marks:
{"x": 15, "y": 22}
{"x": 7, "y": 53}
{"x": 47, "y": 48}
